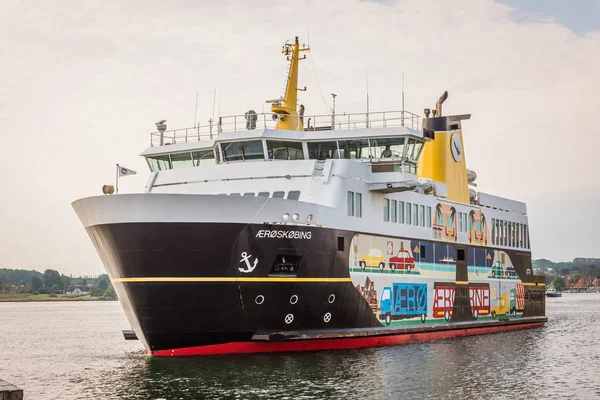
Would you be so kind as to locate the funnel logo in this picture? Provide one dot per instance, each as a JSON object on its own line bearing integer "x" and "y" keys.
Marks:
{"x": 457, "y": 149}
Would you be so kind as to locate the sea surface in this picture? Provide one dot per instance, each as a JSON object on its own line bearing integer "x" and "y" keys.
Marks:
{"x": 76, "y": 351}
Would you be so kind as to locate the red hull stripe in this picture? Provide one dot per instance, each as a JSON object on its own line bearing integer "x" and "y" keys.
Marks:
{"x": 336, "y": 344}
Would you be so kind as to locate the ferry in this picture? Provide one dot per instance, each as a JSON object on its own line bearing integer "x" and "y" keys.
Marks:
{"x": 279, "y": 231}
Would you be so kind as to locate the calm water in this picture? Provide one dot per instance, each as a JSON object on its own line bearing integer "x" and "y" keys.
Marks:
{"x": 76, "y": 351}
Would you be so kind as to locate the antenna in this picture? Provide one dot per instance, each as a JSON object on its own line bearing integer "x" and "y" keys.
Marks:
{"x": 367, "y": 81}
{"x": 214, "y": 100}
{"x": 196, "y": 113}
{"x": 333, "y": 95}
{"x": 402, "y": 117}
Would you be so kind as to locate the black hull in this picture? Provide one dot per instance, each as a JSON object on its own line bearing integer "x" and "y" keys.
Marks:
{"x": 188, "y": 285}
{"x": 214, "y": 309}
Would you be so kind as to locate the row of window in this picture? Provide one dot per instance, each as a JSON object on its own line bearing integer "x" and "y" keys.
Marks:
{"x": 396, "y": 147}
{"x": 511, "y": 234}
{"x": 181, "y": 160}
{"x": 406, "y": 213}
{"x": 291, "y": 195}
{"x": 365, "y": 149}
{"x": 354, "y": 204}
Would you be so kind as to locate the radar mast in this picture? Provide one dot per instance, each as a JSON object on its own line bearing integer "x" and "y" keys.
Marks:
{"x": 285, "y": 109}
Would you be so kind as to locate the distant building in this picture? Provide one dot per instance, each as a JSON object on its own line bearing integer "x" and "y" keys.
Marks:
{"x": 80, "y": 290}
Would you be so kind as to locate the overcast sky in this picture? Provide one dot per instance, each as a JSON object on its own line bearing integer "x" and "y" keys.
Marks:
{"x": 82, "y": 83}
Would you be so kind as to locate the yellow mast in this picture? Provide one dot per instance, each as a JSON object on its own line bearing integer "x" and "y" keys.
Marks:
{"x": 285, "y": 108}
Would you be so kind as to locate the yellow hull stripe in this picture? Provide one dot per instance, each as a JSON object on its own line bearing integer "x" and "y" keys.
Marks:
{"x": 462, "y": 282}
{"x": 533, "y": 284}
{"x": 229, "y": 279}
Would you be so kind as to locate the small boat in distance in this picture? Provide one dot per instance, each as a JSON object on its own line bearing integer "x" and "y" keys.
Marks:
{"x": 552, "y": 292}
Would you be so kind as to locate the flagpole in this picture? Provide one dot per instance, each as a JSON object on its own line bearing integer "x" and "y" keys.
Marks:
{"x": 117, "y": 180}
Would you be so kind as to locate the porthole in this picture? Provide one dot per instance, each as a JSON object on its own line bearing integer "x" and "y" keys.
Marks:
{"x": 259, "y": 299}
{"x": 327, "y": 317}
{"x": 289, "y": 318}
{"x": 293, "y": 299}
{"x": 331, "y": 298}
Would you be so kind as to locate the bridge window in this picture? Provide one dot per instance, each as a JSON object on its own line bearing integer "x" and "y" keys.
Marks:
{"x": 394, "y": 210}
{"x": 408, "y": 213}
{"x": 242, "y": 151}
{"x": 279, "y": 150}
{"x": 428, "y": 217}
{"x": 422, "y": 215}
{"x": 181, "y": 160}
{"x": 203, "y": 157}
{"x": 293, "y": 195}
{"x": 249, "y": 194}
{"x": 388, "y": 147}
{"x": 353, "y": 149}
{"x": 263, "y": 194}
{"x": 159, "y": 163}
{"x": 322, "y": 150}
{"x": 413, "y": 149}
{"x": 351, "y": 204}
{"x": 278, "y": 195}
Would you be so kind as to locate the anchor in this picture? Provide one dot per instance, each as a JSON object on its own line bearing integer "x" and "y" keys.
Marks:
{"x": 249, "y": 268}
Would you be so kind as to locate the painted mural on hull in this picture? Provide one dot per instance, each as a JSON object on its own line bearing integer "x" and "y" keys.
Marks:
{"x": 413, "y": 282}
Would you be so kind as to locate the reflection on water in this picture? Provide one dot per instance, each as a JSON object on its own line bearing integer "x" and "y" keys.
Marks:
{"x": 76, "y": 351}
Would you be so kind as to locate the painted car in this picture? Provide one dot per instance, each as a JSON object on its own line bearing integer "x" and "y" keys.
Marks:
{"x": 403, "y": 300}
{"x": 402, "y": 260}
{"x": 374, "y": 259}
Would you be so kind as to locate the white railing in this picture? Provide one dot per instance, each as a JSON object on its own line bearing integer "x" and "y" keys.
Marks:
{"x": 234, "y": 123}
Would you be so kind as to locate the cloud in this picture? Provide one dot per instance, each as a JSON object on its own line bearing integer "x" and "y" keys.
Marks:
{"x": 83, "y": 84}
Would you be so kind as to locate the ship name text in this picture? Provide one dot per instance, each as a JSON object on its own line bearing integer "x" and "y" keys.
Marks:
{"x": 277, "y": 234}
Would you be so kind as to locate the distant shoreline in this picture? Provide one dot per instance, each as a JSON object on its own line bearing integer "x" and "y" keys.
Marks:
{"x": 29, "y": 297}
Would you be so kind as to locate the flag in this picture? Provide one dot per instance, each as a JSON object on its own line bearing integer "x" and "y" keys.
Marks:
{"x": 126, "y": 171}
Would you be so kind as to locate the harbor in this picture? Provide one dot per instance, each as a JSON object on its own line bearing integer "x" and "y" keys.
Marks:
{"x": 85, "y": 356}
{"x": 347, "y": 199}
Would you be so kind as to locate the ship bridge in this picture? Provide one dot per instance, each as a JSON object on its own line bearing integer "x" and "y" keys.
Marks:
{"x": 389, "y": 141}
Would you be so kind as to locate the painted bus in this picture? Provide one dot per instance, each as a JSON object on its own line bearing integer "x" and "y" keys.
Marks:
{"x": 443, "y": 299}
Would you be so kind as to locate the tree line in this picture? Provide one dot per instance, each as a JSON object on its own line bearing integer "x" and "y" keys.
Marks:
{"x": 51, "y": 281}
{"x": 558, "y": 273}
